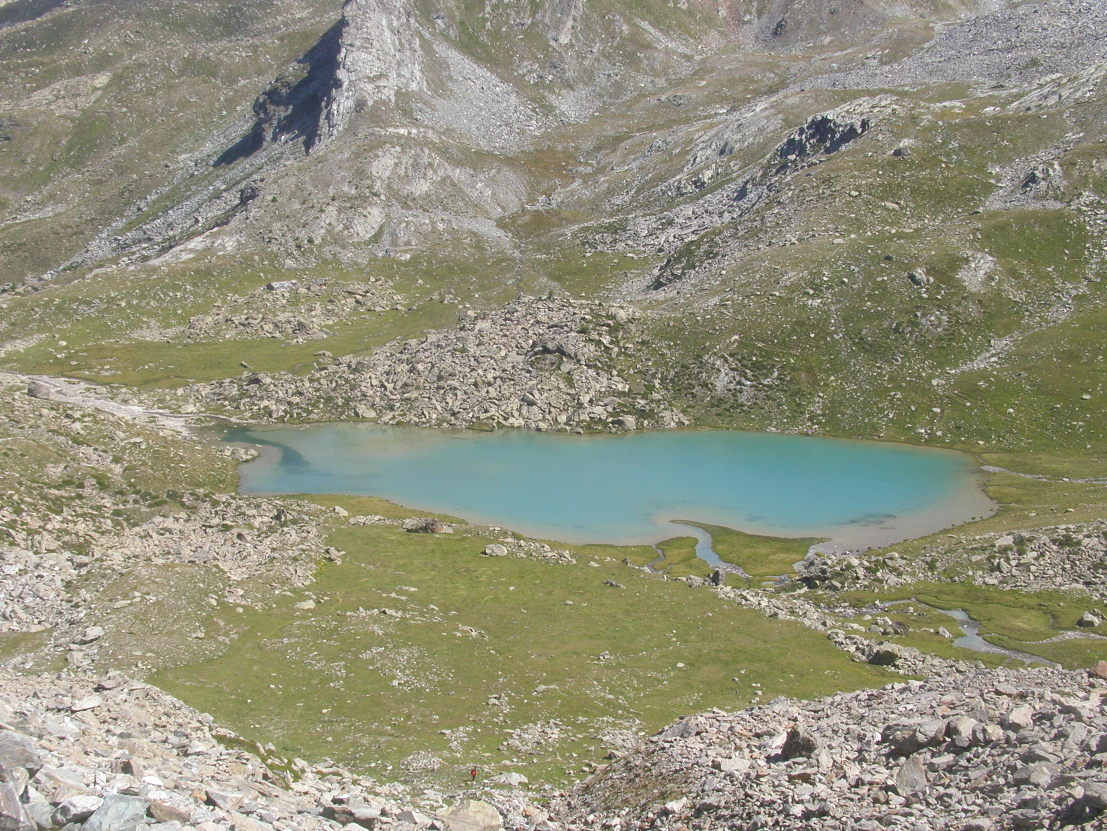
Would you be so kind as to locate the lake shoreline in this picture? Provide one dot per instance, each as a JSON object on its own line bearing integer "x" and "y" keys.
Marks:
{"x": 967, "y": 502}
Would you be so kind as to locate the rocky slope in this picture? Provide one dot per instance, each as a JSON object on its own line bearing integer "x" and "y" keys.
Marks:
{"x": 972, "y": 751}
{"x": 1070, "y": 557}
{"x": 995, "y": 750}
{"x": 541, "y": 364}
{"x": 113, "y": 754}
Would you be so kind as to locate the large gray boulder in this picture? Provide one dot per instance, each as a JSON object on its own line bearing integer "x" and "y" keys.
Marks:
{"x": 18, "y": 751}
{"x": 472, "y": 815}
{"x": 117, "y": 813}
{"x": 76, "y": 808}
{"x": 12, "y": 815}
{"x": 911, "y": 777}
{"x": 39, "y": 389}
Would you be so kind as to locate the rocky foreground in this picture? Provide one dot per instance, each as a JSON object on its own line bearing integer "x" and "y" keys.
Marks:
{"x": 970, "y": 751}
{"x": 110, "y": 754}
{"x": 975, "y": 751}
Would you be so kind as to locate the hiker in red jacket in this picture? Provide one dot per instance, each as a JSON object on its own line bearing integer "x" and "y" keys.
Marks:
{"x": 473, "y": 773}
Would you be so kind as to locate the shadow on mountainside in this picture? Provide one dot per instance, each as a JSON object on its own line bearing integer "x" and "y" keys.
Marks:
{"x": 291, "y": 108}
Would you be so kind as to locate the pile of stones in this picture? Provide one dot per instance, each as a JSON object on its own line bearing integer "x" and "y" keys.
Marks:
{"x": 969, "y": 751}
{"x": 110, "y": 754}
{"x": 540, "y": 363}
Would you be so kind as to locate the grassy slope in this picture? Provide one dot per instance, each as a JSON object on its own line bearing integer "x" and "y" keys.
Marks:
{"x": 680, "y": 556}
{"x": 96, "y": 317}
{"x": 855, "y": 347}
{"x": 828, "y": 322}
{"x": 367, "y": 688}
{"x": 371, "y": 689}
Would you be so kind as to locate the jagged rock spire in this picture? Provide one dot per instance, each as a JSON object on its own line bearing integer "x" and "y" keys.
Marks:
{"x": 380, "y": 55}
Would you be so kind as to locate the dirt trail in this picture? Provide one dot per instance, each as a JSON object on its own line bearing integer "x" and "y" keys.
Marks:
{"x": 85, "y": 394}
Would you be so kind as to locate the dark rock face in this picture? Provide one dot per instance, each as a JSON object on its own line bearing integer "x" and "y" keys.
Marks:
{"x": 798, "y": 744}
{"x": 292, "y": 109}
{"x": 248, "y": 194}
{"x": 822, "y": 134}
{"x": 24, "y": 11}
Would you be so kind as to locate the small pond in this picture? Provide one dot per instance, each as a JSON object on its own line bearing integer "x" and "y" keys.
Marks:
{"x": 628, "y": 488}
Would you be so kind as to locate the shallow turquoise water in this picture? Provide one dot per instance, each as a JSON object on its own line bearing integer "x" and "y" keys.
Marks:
{"x": 625, "y": 488}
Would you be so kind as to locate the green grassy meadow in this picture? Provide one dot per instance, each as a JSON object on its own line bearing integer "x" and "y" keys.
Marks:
{"x": 420, "y": 642}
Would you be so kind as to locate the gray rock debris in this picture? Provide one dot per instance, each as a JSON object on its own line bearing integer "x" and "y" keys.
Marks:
{"x": 984, "y": 749}
{"x": 294, "y": 311}
{"x": 1068, "y": 556}
{"x": 540, "y": 363}
{"x": 143, "y": 760}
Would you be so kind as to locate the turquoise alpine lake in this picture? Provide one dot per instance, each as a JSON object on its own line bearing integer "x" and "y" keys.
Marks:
{"x": 629, "y": 488}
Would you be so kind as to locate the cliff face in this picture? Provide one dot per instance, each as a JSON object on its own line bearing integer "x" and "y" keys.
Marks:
{"x": 379, "y": 57}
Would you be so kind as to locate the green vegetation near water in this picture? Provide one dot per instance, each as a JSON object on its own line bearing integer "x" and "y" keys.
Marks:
{"x": 1012, "y": 619}
{"x": 757, "y": 555}
{"x": 680, "y": 557}
{"x": 419, "y": 641}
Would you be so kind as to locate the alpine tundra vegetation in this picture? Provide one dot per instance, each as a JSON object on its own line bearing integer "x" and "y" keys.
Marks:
{"x": 865, "y": 219}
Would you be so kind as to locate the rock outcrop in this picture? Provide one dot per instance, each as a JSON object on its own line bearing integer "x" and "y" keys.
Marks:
{"x": 685, "y": 229}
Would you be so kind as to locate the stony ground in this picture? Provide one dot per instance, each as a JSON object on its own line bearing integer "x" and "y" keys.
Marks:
{"x": 88, "y": 749}
{"x": 968, "y": 751}
{"x": 545, "y": 364}
{"x": 105, "y": 751}
{"x": 113, "y": 754}
{"x": 291, "y": 310}
{"x": 1069, "y": 557}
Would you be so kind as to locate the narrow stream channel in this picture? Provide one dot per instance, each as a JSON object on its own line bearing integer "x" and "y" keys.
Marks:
{"x": 971, "y": 639}
{"x": 704, "y": 551}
